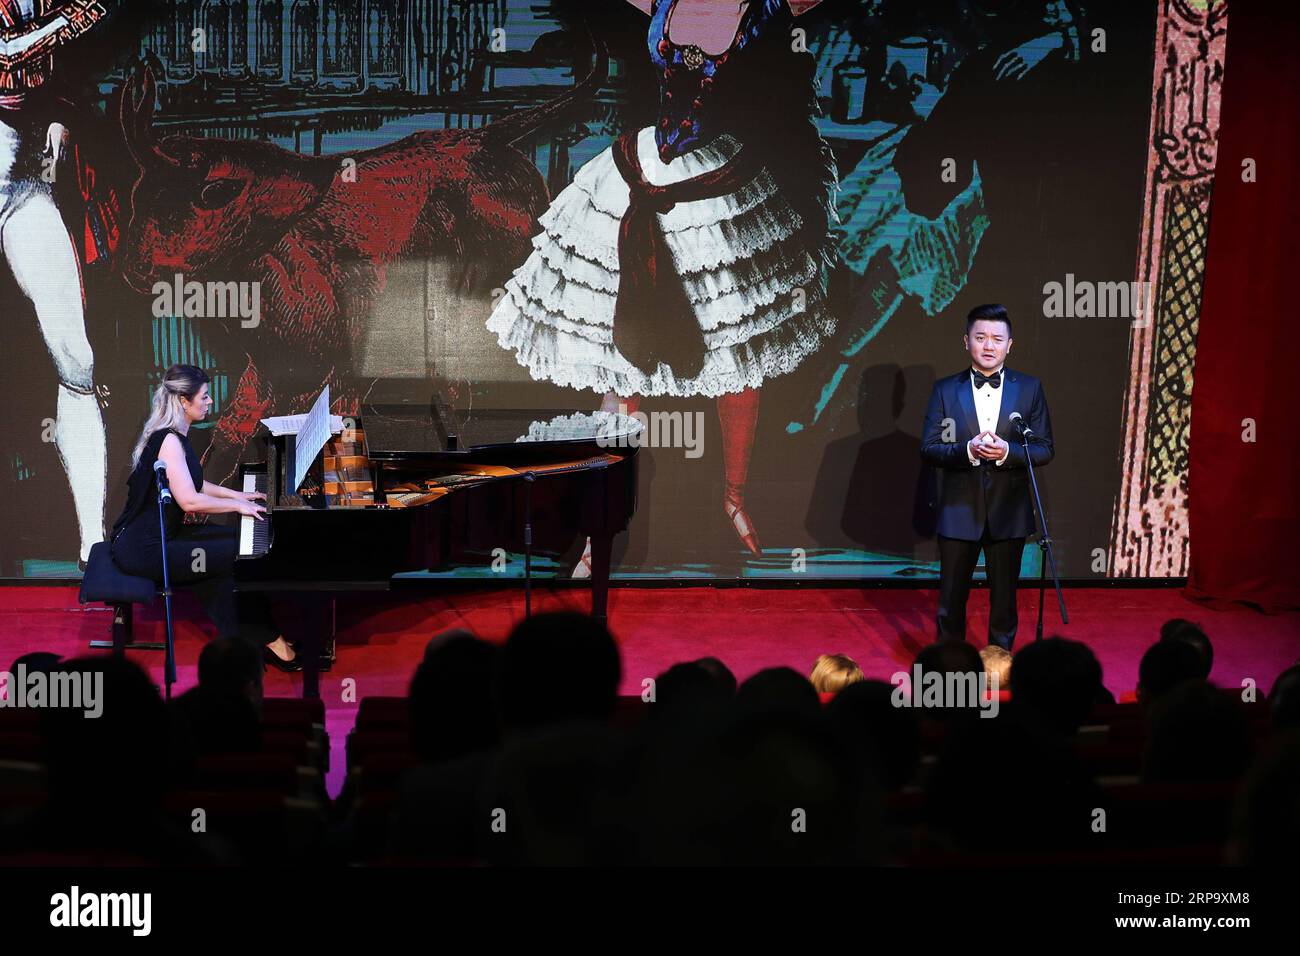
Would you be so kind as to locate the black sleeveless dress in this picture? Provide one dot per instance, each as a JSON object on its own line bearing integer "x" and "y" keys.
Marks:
{"x": 200, "y": 557}
{"x": 141, "y": 511}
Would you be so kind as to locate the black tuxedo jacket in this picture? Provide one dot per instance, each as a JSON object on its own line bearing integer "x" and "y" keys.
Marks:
{"x": 972, "y": 495}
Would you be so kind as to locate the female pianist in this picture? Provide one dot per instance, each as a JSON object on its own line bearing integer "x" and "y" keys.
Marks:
{"x": 199, "y": 555}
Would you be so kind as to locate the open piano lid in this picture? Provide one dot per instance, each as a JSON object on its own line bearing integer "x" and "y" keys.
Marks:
{"x": 415, "y": 432}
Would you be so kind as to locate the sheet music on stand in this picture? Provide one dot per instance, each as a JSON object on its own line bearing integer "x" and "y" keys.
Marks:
{"x": 311, "y": 438}
{"x": 280, "y": 425}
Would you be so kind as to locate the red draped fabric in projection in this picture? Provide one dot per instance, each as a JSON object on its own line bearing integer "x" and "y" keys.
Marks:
{"x": 1244, "y": 480}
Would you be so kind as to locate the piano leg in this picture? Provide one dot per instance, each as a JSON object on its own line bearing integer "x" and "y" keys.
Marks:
{"x": 602, "y": 546}
{"x": 310, "y": 648}
{"x": 307, "y": 620}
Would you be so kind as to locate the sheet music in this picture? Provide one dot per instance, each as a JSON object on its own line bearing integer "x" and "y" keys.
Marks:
{"x": 292, "y": 424}
{"x": 311, "y": 437}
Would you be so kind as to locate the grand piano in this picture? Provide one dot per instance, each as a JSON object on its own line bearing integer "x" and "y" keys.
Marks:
{"x": 409, "y": 487}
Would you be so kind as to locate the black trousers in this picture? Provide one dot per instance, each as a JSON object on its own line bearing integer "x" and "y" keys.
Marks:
{"x": 957, "y": 560}
{"x": 202, "y": 559}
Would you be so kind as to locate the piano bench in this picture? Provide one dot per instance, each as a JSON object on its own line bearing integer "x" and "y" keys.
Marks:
{"x": 104, "y": 581}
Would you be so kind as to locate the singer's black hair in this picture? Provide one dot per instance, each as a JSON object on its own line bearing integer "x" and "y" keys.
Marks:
{"x": 992, "y": 312}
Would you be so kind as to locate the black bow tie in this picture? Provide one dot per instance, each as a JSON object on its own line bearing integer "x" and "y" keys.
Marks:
{"x": 980, "y": 381}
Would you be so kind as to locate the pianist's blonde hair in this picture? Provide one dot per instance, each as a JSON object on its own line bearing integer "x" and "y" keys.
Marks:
{"x": 179, "y": 381}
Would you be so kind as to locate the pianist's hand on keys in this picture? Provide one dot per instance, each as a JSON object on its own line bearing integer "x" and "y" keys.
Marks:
{"x": 254, "y": 531}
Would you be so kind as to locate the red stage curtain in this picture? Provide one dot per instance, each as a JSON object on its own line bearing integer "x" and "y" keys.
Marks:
{"x": 1244, "y": 508}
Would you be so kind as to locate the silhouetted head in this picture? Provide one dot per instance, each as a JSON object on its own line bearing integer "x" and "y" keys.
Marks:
{"x": 232, "y": 667}
{"x": 1284, "y": 700}
{"x": 689, "y": 689}
{"x": 1180, "y": 629}
{"x": 36, "y": 662}
{"x": 1057, "y": 681}
{"x": 782, "y": 771}
{"x": 1008, "y": 786}
{"x": 779, "y": 690}
{"x": 958, "y": 668}
{"x": 1266, "y": 821}
{"x": 557, "y": 788}
{"x": 950, "y": 657}
{"x": 1196, "y": 734}
{"x": 556, "y": 667}
{"x": 443, "y": 638}
{"x": 720, "y": 673}
{"x": 217, "y": 722}
{"x": 452, "y": 712}
{"x": 886, "y": 738}
{"x": 748, "y": 791}
{"x": 1164, "y": 666}
{"x": 118, "y": 762}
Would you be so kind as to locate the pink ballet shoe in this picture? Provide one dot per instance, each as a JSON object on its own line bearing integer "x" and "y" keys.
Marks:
{"x": 744, "y": 527}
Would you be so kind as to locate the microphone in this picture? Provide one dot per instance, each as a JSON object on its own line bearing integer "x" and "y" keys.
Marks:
{"x": 1021, "y": 425}
{"x": 164, "y": 490}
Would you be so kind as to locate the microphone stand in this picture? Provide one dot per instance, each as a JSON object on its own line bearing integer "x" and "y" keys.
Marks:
{"x": 1047, "y": 556}
{"x": 529, "y": 477}
{"x": 169, "y": 660}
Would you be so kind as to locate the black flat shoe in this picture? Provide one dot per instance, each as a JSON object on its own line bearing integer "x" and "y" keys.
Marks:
{"x": 279, "y": 663}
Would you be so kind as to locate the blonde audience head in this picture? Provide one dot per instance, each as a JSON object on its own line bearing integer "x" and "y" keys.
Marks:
{"x": 997, "y": 667}
{"x": 833, "y": 672}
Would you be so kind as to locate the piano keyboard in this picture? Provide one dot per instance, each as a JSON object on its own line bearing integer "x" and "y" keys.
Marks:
{"x": 254, "y": 535}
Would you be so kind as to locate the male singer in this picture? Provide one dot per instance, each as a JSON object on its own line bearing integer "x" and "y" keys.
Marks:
{"x": 984, "y": 498}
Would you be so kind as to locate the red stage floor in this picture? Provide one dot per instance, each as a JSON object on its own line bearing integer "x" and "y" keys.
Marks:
{"x": 382, "y": 639}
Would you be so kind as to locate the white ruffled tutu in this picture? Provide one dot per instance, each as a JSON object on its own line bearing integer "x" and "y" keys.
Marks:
{"x": 756, "y": 283}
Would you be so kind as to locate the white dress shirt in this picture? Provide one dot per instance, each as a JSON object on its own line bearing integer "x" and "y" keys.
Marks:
{"x": 988, "y": 406}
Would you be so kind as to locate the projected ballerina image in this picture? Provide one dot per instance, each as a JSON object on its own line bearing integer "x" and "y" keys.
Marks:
{"x": 691, "y": 258}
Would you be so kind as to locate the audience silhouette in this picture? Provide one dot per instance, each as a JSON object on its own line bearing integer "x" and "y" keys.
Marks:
{"x": 523, "y": 753}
